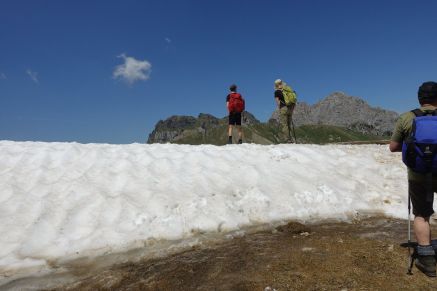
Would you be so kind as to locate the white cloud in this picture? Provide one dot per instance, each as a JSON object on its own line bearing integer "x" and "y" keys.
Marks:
{"x": 2, "y": 76}
{"x": 32, "y": 75}
{"x": 132, "y": 70}
{"x": 168, "y": 40}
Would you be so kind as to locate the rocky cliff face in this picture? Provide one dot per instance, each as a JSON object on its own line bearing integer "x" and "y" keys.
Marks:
{"x": 169, "y": 129}
{"x": 346, "y": 111}
{"x": 176, "y": 128}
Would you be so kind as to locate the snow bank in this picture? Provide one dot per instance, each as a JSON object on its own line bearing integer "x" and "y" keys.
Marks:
{"x": 67, "y": 199}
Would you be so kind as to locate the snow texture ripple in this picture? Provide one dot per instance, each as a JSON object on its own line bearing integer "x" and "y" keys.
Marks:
{"x": 62, "y": 200}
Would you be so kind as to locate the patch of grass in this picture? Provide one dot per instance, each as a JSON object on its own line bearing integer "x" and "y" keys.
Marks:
{"x": 263, "y": 133}
{"x": 321, "y": 134}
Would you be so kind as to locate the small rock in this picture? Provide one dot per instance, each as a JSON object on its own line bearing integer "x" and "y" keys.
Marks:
{"x": 390, "y": 248}
{"x": 304, "y": 233}
{"x": 293, "y": 227}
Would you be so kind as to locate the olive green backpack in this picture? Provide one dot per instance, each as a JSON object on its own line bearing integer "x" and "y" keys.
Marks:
{"x": 290, "y": 96}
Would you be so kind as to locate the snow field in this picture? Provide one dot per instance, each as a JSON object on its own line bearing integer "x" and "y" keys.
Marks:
{"x": 61, "y": 200}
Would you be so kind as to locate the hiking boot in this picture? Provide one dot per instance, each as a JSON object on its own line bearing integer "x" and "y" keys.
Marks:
{"x": 426, "y": 264}
{"x": 230, "y": 140}
{"x": 240, "y": 141}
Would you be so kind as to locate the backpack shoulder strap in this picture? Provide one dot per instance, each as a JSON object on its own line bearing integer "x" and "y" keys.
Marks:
{"x": 418, "y": 113}
{"x": 431, "y": 112}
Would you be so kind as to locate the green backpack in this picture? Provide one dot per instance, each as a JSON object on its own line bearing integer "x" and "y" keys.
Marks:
{"x": 290, "y": 96}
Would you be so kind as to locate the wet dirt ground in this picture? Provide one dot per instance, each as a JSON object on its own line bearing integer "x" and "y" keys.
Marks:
{"x": 363, "y": 255}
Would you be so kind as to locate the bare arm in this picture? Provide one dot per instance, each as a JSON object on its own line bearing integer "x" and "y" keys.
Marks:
{"x": 395, "y": 146}
{"x": 278, "y": 102}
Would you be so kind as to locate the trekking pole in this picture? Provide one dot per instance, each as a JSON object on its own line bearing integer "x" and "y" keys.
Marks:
{"x": 410, "y": 257}
{"x": 289, "y": 131}
{"x": 294, "y": 131}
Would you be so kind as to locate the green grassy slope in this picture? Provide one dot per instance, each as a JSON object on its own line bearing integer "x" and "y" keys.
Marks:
{"x": 268, "y": 134}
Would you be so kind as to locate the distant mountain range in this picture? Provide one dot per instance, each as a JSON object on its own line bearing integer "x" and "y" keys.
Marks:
{"x": 337, "y": 118}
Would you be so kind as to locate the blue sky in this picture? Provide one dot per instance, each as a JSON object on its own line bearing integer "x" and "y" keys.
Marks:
{"x": 108, "y": 71}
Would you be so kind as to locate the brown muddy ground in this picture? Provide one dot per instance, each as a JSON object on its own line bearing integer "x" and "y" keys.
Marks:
{"x": 364, "y": 255}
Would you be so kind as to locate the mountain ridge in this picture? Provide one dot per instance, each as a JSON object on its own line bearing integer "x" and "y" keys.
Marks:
{"x": 342, "y": 110}
{"x": 338, "y": 117}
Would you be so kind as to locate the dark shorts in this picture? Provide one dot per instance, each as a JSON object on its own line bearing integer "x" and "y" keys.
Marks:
{"x": 421, "y": 207}
{"x": 235, "y": 118}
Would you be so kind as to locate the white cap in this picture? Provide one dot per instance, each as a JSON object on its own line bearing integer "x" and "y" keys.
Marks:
{"x": 278, "y": 81}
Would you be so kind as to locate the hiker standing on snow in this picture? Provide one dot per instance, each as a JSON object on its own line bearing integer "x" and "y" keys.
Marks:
{"x": 422, "y": 174}
{"x": 286, "y": 101}
{"x": 236, "y": 105}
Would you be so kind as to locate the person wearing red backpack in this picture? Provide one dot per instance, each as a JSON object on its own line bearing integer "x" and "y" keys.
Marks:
{"x": 236, "y": 105}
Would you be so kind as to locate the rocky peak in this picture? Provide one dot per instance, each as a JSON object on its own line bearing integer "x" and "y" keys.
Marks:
{"x": 207, "y": 120}
{"x": 169, "y": 129}
{"x": 176, "y": 122}
{"x": 340, "y": 109}
{"x": 249, "y": 119}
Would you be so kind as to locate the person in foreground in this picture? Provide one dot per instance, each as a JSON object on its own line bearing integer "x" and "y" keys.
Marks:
{"x": 421, "y": 184}
{"x": 236, "y": 105}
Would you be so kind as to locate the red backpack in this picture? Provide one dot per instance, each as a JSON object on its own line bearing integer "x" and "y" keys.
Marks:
{"x": 236, "y": 102}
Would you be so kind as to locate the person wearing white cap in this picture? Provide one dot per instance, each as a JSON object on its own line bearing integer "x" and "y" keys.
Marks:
{"x": 286, "y": 101}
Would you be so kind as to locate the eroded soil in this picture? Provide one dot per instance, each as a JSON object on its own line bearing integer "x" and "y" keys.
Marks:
{"x": 364, "y": 255}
